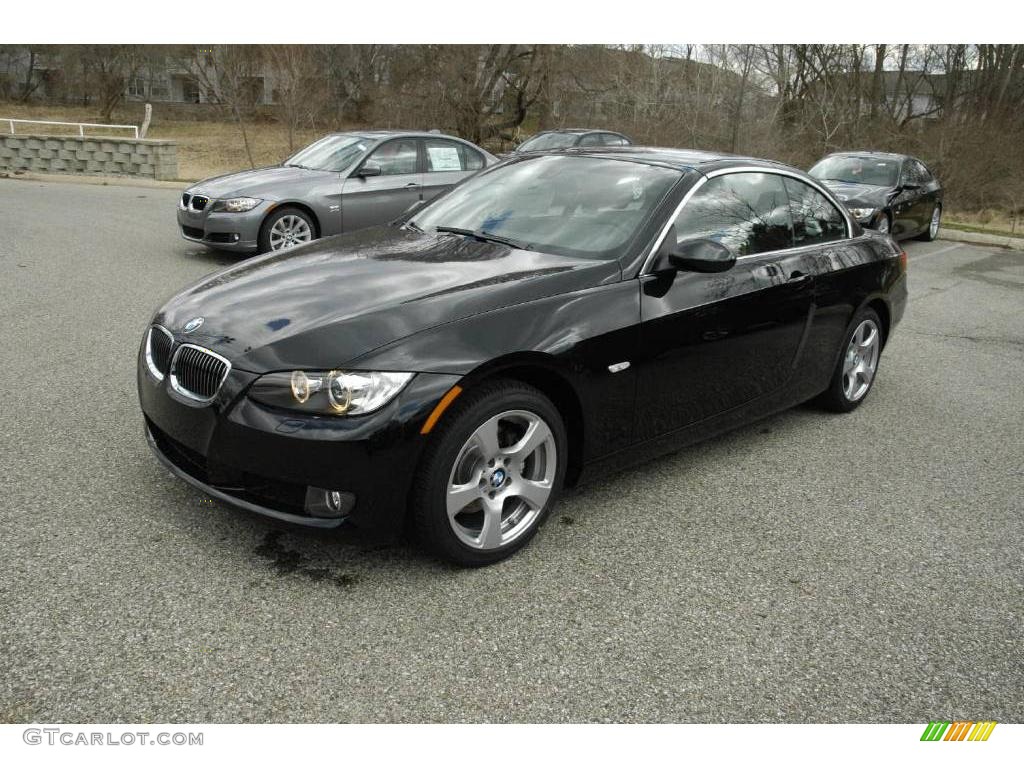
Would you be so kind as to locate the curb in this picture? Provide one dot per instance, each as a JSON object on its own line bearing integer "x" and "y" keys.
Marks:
{"x": 979, "y": 238}
{"x": 104, "y": 181}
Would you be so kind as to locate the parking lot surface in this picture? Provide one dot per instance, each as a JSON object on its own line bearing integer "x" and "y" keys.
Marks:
{"x": 812, "y": 567}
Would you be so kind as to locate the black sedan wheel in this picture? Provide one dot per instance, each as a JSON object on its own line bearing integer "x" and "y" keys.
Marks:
{"x": 933, "y": 226}
{"x": 491, "y": 474}
{"x": 286, "y": 228}
{"x": 858, "y": 363}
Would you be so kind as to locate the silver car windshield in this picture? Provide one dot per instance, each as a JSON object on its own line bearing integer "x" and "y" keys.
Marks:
{"x": 571, "y": 205}
{"x": 331, "y": 153}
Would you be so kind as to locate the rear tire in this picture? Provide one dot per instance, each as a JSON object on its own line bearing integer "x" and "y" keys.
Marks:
{"x": 498, "y": 441}
{"x": 857, "y": 367}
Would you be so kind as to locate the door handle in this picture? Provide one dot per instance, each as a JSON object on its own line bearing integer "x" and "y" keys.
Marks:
{"x": 798, "y": 277}
{"x": 411, "y": 185}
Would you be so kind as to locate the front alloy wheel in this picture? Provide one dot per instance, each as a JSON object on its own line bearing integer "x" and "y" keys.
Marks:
{"x": 285, "y": 228}
{"x": 882, "y": 223}
{"x": 490, "y": 474}
{"x": 502, "y": 479}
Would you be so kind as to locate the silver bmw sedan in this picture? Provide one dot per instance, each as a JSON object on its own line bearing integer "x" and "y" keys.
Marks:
{"x": 340, "y": 183}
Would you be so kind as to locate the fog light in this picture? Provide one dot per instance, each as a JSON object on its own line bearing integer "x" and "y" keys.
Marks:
{"x": 322, "y": 502}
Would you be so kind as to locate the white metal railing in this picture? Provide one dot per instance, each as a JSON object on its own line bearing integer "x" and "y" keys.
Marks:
{"x": 81, "y": 126}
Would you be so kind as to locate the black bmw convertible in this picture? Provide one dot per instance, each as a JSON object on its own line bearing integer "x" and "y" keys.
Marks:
{"x": 548, "y": 319}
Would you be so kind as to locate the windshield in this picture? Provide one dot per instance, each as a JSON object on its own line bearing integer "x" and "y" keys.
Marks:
{"x": 569, "y": 205}
{"x": 548, "y": 141}
{"x": 879, "y": 171}
{"x": 331, "y": 153}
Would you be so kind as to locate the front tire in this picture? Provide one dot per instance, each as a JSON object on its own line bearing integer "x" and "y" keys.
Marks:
{"x": 490, "y": 475}
{"x": 858, "y": 364}
{"x": 932, "y": 231}
{"x": 285, "y": 228}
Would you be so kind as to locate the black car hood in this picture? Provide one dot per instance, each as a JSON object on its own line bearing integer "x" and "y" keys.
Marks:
{"x": 324, "y": 304}
{"x": 264, "y": 183}
{"x": 860, "y": 195}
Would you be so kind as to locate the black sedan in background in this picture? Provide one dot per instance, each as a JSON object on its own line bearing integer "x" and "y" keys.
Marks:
{"x": 550, "y": 319}
{"x": 895, "y": 194}
{"x": 563, "y": 138}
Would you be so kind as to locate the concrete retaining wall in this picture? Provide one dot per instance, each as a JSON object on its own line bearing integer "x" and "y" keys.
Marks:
{"x": 75, "y": 154}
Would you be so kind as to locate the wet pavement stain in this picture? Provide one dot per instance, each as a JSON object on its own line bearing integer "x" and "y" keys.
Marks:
{"x": 287, "y": 562}
{"x": 985, "y": 270}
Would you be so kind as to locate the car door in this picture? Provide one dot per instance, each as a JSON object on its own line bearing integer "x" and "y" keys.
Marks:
{"x": 447, "y": 163}
{"x": 371, "y": 200}
{"x": 906, "y": 208}
{"x": 712, "y": 342}
{"x": 927, "y": 194}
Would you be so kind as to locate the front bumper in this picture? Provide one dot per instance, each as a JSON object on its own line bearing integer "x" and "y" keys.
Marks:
{"x": 225, "y": 231}
{"x": 267, "y": 460}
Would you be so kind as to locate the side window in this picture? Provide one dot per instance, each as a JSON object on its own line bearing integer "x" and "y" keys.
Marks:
{"x": 444, "y": 155}
{"x": 611, "y": 140}
{"x": 396, "y": 157}
{"x": 910, "y": 174}
{"x": 923, "y": 174}
{"x": 746, "y": 212}
{"x": 815, "y": 218}
{"x": 591, "y": 140}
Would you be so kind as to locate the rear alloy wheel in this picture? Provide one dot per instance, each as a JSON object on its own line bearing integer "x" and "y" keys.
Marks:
{"x": 491, "y": 475}
{"x": 882, "y": 223}
{"x": 933, "y": 226}
{"x": 286, "y": 228}
{"x": 858, "y": 364}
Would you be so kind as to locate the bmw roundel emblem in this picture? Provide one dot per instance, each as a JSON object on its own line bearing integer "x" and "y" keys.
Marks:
{"x": 193, "y": 324}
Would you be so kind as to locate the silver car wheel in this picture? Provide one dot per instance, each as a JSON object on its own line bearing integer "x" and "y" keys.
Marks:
{"x": 501, "y": 480}
{"x": 933, "y": 228}
{"x": 861, "y": 360}
{"x": 288, "y": 231}
{"x": 883, "y": 224}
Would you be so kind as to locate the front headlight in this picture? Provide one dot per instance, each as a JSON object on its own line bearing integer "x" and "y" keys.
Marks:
{"x": 236, "y": 204}
{"x": 863, "y": 213}
{"x": 336, "y": 393}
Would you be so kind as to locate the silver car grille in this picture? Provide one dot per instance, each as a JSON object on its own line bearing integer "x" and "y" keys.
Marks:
{"x": 198, "y": 373}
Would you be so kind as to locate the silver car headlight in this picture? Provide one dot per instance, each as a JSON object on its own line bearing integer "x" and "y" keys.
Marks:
{"x": 863, "y": 213}
{"x": 236, "y": 204}
{"x": 335, "y": 393}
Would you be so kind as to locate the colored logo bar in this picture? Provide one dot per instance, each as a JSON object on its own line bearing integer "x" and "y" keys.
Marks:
{"x": 960, "y": 730}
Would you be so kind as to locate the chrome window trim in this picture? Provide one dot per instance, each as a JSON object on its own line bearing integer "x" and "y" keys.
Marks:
{"x": 188, "y": 393}
{"x": 645, "y": 269}
{"x": 150, "y": 364}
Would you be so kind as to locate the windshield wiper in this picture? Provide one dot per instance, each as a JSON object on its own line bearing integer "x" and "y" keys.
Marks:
{"x": 413, "y": 226}
{"x": 296, "y": 165}
{"x": 485, "y": 236}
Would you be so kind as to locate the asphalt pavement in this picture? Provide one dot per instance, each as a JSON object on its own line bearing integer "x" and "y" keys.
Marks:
{"x": 812, "y": 567}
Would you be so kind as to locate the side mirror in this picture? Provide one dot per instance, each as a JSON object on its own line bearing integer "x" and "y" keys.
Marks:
{"x": 369, "y": 169}
{"x": 699, "y": 255}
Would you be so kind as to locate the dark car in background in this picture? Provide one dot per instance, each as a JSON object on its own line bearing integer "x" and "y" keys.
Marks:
{"x": 555, "y": 317}
{"x": 895, "y": 194}
{"x": 340, "y": 183}
{"x": 564, "y": 138}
